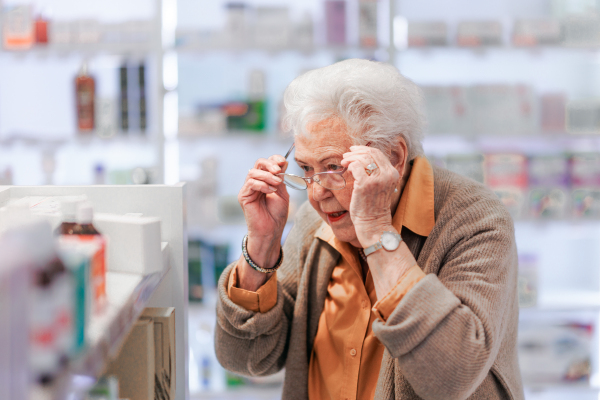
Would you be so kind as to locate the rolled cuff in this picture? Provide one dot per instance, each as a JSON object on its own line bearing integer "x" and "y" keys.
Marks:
{"x": 388, "y": 303}
{"x": 263, "y": 300}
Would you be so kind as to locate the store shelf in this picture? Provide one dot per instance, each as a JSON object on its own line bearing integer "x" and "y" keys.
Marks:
{"x": 127, "y": 296}
{"x": 84, "y": 49}
{"x": 83, "y": 140}
{"x": 242, "y": 393}
{"x": 572, "y": 300}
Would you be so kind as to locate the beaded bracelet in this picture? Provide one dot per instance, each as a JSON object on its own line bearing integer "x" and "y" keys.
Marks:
{"x": 254, "y": 265}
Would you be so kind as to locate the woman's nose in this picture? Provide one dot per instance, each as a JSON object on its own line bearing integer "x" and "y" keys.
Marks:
{"x": 319, "y": 192}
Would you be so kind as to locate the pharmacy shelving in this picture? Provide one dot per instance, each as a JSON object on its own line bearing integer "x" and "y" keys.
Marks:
{"x": 129, "y": 293}
{"x": 141, "y": 36}
{"x": 127, "y": 296}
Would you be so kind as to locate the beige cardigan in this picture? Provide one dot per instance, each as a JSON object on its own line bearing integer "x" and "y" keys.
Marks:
{"x": 453, "y": 336}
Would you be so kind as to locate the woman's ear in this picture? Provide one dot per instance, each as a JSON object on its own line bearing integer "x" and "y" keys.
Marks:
{"x": 399, "y": 156}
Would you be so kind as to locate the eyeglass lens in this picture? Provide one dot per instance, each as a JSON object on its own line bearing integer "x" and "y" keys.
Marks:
{"x": 327, "y": 180}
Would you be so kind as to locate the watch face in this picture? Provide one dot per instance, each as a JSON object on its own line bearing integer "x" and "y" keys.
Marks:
{"x": 389, "y": 241}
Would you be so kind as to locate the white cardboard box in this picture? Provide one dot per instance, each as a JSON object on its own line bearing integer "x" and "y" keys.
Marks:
{"x": 133, "y": 243}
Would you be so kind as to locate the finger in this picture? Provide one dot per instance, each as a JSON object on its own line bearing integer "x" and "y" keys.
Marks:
{"x": 267, "y": 165}
{"x": 351, "y": 157}
{"x": 281, "y": 162}
{"x": 358, "y": 171}
{"x": 264, "y": 176}
{"x": 254, "y": 185}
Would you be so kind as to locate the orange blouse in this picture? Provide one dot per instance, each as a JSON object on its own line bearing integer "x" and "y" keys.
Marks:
{"x": 346, "y": 355}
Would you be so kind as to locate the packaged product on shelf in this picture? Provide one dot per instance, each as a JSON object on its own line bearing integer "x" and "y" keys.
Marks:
{"x": 202, "y": 195}
{"x": 134, "y": 243}
{"x": 105, "y": 117}
{"x": 107, "y": 388}
{"x": 367, "y": 23}
{"x": 132, "y": 97}
{"x": 84, "y": 231}
{"x": 469, "y": 165}
{"x": 527, "y": 284}
{"x": 427, "y": 33}
{"x": 272, "y": 27}
{"x": 135, "y": 363}
{"x": 537, "y": 32}
{"x": 61, "y": 32}
{"x": 585, "y": 185}
{"x": 236, "y": 27}
{"x": 205, "y": 119}
{"x": 230, "y": 211}
{"x": 446, "y": 109}
{"x": 195, "y": 271}
{"x": 15, "y": 289}
{"x": 17, "y": 27}
{"x": 555, "y": 352}
{"x": 68, "y": 210}
{"x": 583, "y": 117}
{"x": 553, "y": 108}
{"x": 581, "y": 30}
{"x": 548, "y": 186}
{"x": 221, "y": 257}
{"x": 303, "y": 36}
{"x": 506, "y": 175}
{"x": 85, "y": 90}
{"x": 505, "y": 110}
{"x": 77, "y": 257}
{"x": 123, "y": 99}
{"x": 41, "y": 29}
{"x": 335, "y": 16}
{"x": 164, "y": 350}
{"x": 249, "y": 115}
{"x": 479, "y": 33}
{"x": 6, "y": 176}
{"x": 86, "y": 31}
{"x": 46, "y": 352}
{"x": 143, "y": 111}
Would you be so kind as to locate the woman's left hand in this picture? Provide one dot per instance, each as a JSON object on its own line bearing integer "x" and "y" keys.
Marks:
{"x": 373, "y": 194}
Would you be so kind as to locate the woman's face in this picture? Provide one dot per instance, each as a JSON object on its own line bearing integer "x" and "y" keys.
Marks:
{"x": 322, "y": 150}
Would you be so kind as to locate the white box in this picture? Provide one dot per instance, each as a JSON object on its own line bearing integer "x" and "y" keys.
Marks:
{"x": 134, "y": 244}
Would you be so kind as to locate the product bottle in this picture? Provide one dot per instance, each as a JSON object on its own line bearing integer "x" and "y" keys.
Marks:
{"x": 142, "y": 98}
{"x": 68, "y": 209}
{"x": 86, "y": 231}
{"x": 84, "y": 96}
{"x": 41, "y": 29}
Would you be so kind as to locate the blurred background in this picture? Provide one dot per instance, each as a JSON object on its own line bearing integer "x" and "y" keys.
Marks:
{"x": 161, "y": 91}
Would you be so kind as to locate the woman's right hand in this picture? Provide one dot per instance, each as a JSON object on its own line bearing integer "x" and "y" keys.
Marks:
{"x": 265, "y": 202}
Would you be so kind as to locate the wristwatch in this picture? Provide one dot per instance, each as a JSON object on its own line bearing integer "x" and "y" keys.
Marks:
{"x": 388, "y": 241}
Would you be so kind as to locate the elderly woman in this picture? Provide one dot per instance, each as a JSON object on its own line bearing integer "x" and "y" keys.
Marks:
{"x": 398, "y": 279}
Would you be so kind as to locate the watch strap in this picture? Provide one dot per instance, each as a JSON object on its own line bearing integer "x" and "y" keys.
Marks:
{"x": 378, "y": 246}
{"x": 372, "y": 249}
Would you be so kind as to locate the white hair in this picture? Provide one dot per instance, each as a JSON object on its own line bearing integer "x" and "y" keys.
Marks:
{"x": 376, "y": 103}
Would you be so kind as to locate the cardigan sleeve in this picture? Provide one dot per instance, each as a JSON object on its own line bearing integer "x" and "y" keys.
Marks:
{"x": 447, "y": 330}
{"x": 255, "y": 343}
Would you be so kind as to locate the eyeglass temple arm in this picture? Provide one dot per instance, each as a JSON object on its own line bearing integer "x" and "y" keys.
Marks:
{"x": 290, "y": 150}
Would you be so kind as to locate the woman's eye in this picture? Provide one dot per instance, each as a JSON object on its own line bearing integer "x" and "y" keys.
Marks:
{"x": 334, "y": 167}
{"x": 305, "y": 168}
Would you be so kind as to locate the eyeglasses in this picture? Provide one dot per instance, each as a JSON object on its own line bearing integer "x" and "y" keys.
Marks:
{"x": 331, "y": 180}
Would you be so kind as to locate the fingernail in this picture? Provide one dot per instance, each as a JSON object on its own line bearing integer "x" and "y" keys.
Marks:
{"x": 272, "y": 189}
{"x": 278, "y": 179}
{"x": 281, "y": 159}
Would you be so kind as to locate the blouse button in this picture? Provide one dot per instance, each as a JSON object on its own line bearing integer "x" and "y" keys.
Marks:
{"x": 352, "y": 352}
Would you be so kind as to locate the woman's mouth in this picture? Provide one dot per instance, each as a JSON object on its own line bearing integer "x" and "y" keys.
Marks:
{"x": 336, "y": 216}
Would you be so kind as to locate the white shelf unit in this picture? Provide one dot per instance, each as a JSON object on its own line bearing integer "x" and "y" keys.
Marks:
{"x": 128, "y": 294}
{"x": 67, "y": 148}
